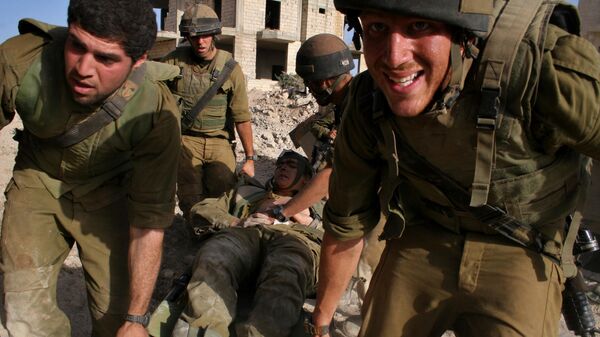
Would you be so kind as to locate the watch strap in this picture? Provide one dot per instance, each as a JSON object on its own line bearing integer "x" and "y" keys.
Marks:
{"x": 139, "y": 319}
{"x": 252, "y": 157}
{"x": 277, "y": 213}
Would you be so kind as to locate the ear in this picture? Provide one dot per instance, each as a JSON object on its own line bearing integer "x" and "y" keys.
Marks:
{"x": 140, "y": 61}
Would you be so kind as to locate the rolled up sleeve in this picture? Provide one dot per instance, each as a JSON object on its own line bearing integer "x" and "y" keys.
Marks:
{"x": 568, "y": 102}
{"x": 152, "y": 190}
{"x": 353, "y": 208}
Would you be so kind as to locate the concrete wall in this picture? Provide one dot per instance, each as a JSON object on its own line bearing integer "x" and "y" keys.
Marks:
{"x": 228, "y": 13}
{"x": 590, "y": 20}
{"x": 244, "y": 20}
{"x": 245, "y": 53}
{"x": 320, "y": 16}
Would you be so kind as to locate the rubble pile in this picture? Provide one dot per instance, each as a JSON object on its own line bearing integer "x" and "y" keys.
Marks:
{"x": 274, "y": 115}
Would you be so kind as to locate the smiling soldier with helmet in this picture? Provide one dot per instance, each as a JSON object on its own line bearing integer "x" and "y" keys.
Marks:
{"x": 467, "y": 133}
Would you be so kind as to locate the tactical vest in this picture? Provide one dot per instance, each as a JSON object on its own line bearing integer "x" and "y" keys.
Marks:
{"x": 535, "y": 186}
{"x": 194, "y": 83}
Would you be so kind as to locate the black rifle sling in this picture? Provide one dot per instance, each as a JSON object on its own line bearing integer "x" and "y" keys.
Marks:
{"x": 109, "y": 112}
{"x": 492, "y": 216}
{"x": 188, "y": 118}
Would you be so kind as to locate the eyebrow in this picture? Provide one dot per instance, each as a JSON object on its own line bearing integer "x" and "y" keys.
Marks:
{"x": 110, "y": 56}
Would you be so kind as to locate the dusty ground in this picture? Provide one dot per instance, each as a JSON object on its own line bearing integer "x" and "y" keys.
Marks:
{"x": 274, "y": 116}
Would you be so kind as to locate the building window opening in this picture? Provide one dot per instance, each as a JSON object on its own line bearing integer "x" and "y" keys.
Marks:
{"x": 276, "y": 71}
{"x": 321, "y": 10}
{"x": 163, "y": 17}
{"x": 218, "y": 6}
{"x": 273, "y": 14}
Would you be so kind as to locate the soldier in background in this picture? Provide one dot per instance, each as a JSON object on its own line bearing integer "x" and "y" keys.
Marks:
{"x": 94, "y": 167}
{"x": 324, "y": 62}
{"x": 213, "y": 102}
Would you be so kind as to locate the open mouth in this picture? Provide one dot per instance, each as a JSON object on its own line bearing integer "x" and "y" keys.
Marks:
{"x": 405, "y": 80}
{"x": 81, "y": 87}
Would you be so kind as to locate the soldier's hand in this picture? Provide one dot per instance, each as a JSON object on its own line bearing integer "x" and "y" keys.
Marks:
{"x": 129, "y": 329}
{"x": 248, "y": 168}
{"x": 257, "y": 219}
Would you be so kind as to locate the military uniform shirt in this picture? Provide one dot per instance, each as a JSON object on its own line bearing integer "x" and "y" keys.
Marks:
{"x": 135, "y": 155}
{"x": 565, "y": 113}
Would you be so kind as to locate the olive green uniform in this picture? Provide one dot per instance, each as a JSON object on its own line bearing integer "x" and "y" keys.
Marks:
{"x": 89, "y": 193}
{"x": 326, "y": 122}
{"x": 442, "y": 268}
{"x": 207, "y": 162}
{"x": 277, "y": 264}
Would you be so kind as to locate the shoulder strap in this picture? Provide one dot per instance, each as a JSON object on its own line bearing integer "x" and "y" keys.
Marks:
{"x": 40, "y": 28}
{"x": 187, "y": 119}
{"x": 492, "y": 216}
{"x": 494, "y": 72}
{"x": 110, "y": 111}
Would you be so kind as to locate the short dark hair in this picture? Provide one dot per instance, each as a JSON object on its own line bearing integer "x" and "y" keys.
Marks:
{"x": 131, "y": 23}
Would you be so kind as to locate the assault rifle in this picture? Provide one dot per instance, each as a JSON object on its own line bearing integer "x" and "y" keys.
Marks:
{"x": 575, "y": 307}
{"x": 321, "y": 152}
{"x": 163, "y": 319}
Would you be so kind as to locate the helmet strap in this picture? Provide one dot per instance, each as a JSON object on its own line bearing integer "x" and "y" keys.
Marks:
{"x": 326, "y": 93}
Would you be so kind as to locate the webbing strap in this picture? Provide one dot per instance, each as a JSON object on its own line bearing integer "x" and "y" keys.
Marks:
{"x": 494, "y": 73}
{"x": 188, "y": 118}
{"x": 492, "y": 216}
{"x": 110, "y": 111}
{"x": 566, "y": 256}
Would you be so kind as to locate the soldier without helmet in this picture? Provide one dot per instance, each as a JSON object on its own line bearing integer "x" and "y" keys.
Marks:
{"x": 95, "y": 166}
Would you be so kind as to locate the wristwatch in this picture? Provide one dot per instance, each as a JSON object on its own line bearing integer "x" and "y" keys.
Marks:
{"x": 252, "y": 157}
{"x": 313, "y": 330}
{"x": 143, "y": 320}
{"x": 277, "y": 213}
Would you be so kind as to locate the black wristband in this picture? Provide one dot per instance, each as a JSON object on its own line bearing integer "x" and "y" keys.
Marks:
{"x": 313, "y": 330}
{"x": 277, "y": 213}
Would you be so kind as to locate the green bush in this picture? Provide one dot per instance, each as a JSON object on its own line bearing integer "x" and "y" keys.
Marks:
{"x": 291, "y": 82}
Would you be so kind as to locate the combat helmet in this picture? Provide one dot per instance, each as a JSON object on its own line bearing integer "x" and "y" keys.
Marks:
{"x": 323, "y": 56}
{"x": 199, "y": 20}
{"x": 471, "y": 15}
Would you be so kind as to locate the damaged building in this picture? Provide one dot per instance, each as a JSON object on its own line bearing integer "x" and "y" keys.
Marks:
{"x": 262, "y": 35}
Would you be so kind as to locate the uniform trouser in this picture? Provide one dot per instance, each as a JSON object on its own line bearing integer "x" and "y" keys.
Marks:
{"x": 432, "y": 280}
{"x": 279, "y": 267}
{"x": 206, "y": 169}
{"x": 38, "y": 232}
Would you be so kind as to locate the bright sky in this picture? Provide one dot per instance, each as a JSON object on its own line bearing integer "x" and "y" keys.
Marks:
{"x": 50, "y": 11}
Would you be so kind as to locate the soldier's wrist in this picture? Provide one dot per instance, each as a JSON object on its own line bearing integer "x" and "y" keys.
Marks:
{"x": 252, "y": 157}
{"x": 278, "y": 213}
{"x": 138, "y": 319}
